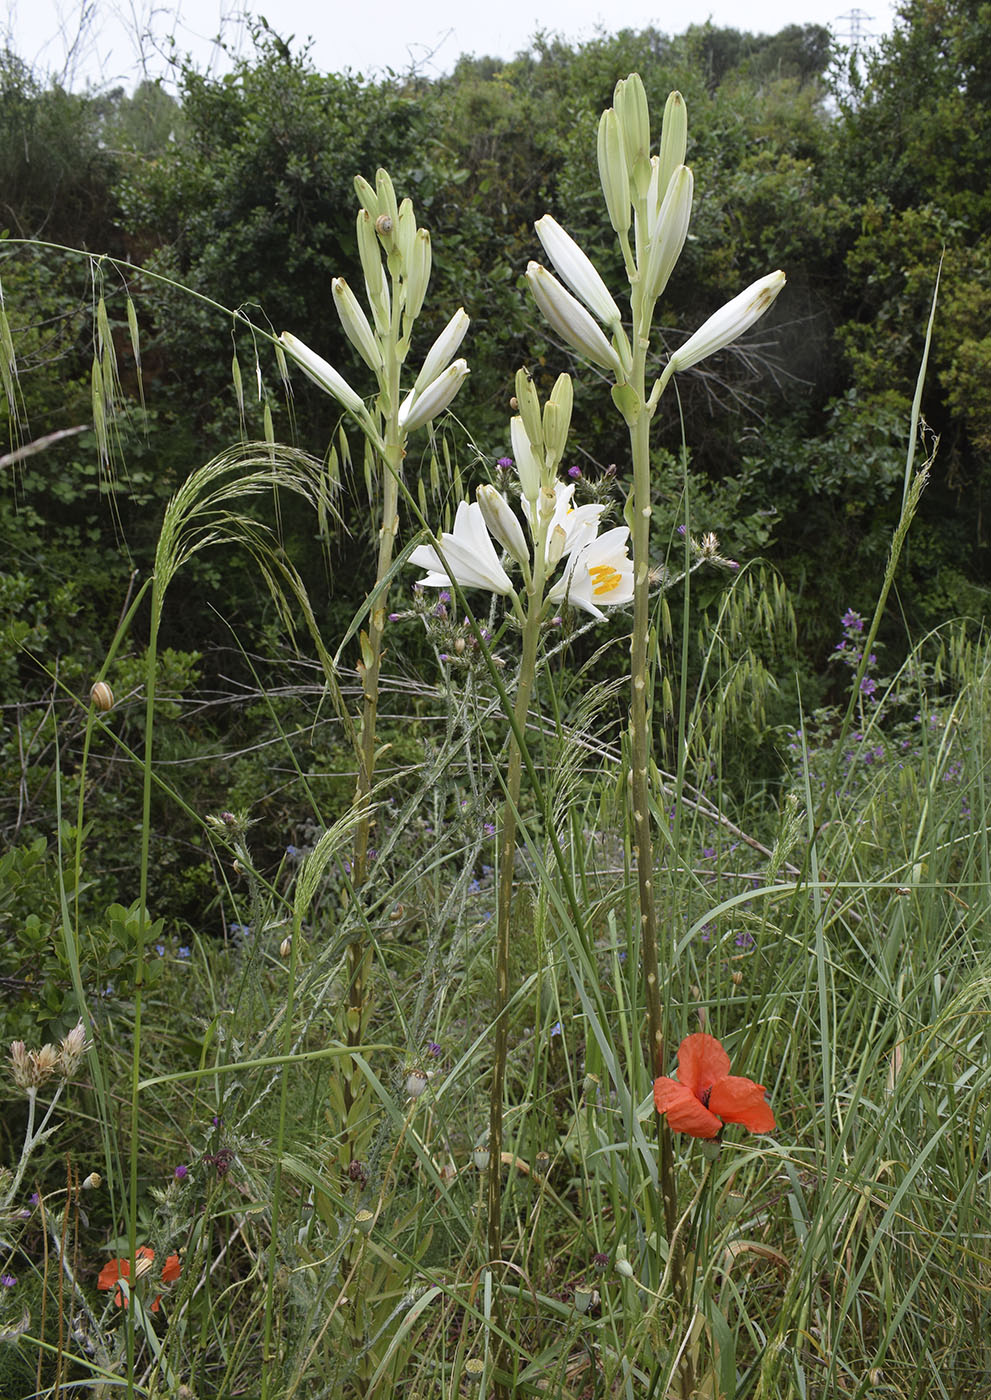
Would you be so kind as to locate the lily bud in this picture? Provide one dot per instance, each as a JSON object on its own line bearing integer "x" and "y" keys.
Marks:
{"x": 527, "y": 466}
{"x": 442, "y": 351}
{"x": 367, "y": 197}
{"x": 570, "y": 320}
{"x": 555, "y": 547}
{"x": 418, "y": 274}
{"x": 406, "y": 232}
{"x": 355, "y": 324}
{"x": 376, "y": 284}
{"x": 669, "y": 236}
{"x": 630, "y": 101}
{"x": 613, "y": 172}
{"x": 501, "y": 521}
{"x": 386, "y": 195}
{"x": 322, "y": 373}
{"x": 576, "y": 269}
{"x": 674, "y": 138}
{"x": 729, "y": 322}
{"x": 557, "y": 420}
{"x": 419, "y": 409}
{"x": 528, "y": 403}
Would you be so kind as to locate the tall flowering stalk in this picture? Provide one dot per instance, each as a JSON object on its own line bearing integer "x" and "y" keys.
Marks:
{"x": 648, "y": 199}
{"x": 395, "y": 261}
{"x": 566, "y": 560}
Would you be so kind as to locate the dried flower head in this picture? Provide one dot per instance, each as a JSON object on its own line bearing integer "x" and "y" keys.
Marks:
{"x": 31, "y": 1068}
{"x": 73, "y": 1048}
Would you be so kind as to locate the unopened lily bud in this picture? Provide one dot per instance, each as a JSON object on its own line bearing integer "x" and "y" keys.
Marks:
{"x": 570, "y": 320}
{"x": 729, "y": 322}
{"x": 321, "y": 373}
{"x": 443, "y": 350}
{"x": 386, "y": 194}
{"x": 355, "y": 324}
{"x": 674, "y": 139}
{"x": 555, "y": 547}
{"x": 406, "y": 233}
{"x": 367, "y": 197}
{"x": 419, "y": 409}
{"x": 376, "y": 284}
{"x": 557, "y": 420}
{"x": 630, "y": 102}
{"x": 576, "y": 269}
{"x": 613, "y": 171}
{"x": 527, "y": 466}
{"x": 418, "y": 274}
{"x": 527, "y": 404}
{"x": 670, "y": 232}
{"x": 502, "y": 523}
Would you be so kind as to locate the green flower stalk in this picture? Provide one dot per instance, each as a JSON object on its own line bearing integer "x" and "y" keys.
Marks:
{"x": 596, "y": 572}
{"x": 654, "y": 194}
{"x": 395, "y": 262}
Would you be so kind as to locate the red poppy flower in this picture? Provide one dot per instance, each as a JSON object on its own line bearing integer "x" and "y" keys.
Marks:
{"x": 706, "y": 1096}
{"x": 115, "y": 1269}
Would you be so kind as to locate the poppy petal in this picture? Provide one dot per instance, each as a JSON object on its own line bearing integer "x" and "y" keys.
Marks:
{"x": 686, "y": 1113}
{"x": 701, "y": 1061}
{"x": 738, "y": 1100}
{"x": 171, "y": 1269}
{"x": 111, "y": 1272}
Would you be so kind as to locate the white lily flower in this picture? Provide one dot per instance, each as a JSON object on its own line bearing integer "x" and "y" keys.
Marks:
{"x": 417, "y": 409}
{"x": 321, "y": 373}
{"x": 574, "y": 267}
{"x": 729, "y": 322}
{"x": 599, "y": 575}
{"x": 468, "y": 552}
{"x": 502, "y": 523}
{"x": 443, "y": 350}
{"x": 569, "y": 318}
{"x": 578, "y": 524}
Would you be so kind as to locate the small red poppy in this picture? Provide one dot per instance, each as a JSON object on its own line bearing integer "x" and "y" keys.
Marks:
{"x": 706, "y": 1096}
{"x": 115, "y": 1269}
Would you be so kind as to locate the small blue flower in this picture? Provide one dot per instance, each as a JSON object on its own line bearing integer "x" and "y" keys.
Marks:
{"x": 183, "y": 953}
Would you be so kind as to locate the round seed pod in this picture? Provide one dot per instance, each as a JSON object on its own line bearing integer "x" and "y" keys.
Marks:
{"x": 101, "y": 696}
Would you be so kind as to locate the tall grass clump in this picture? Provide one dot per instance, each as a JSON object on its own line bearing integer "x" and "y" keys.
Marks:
{"x": 542, "y": 1059}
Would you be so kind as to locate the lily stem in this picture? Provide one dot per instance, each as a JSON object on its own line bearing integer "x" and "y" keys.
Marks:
{"x": 507, "y": 851}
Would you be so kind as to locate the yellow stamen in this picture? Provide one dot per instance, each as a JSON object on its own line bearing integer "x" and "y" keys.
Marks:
{"x": 605, "y": 578}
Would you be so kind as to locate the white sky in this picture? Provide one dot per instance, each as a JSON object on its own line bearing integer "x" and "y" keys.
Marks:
{"x": 109, "y": 42}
